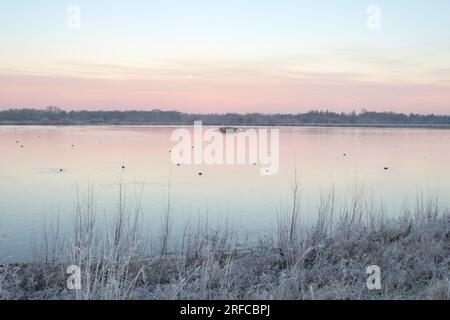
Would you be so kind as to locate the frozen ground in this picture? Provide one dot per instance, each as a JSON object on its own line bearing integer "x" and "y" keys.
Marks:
{"x": 327, "y": 260}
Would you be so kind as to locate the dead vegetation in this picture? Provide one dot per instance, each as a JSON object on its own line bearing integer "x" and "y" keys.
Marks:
{"x": 325, "y": 260}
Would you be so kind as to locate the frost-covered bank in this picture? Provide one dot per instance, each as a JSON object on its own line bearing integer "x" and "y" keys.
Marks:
{"x": 325, "y": 261}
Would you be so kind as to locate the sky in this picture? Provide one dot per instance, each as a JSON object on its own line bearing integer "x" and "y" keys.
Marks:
{"x": 226, "y": 55}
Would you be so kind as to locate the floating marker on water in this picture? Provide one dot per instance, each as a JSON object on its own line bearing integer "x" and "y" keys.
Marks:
{"x": 200, "y": 174}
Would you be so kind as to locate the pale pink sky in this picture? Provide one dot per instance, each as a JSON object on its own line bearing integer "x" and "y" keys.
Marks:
{"x": 230, "y": 56}
{"x": 221, "y": 95}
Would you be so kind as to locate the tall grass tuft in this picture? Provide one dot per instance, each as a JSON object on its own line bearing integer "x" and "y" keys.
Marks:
{"x": 3, "y": 266}
{"x": 108, "y": 255}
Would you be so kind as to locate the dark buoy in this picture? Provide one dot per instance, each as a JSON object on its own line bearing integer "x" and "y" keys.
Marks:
{"x": 344, "y": 154}
{"x": 60, "y": 170}
{"x": 200, "y": 174}
{"x": 178, "y": 164}
{"x": 386, "y": 168}
{"x": 17, "y": 141}
{"x": 123, "y": 167}
{"x": 21, "y": 146}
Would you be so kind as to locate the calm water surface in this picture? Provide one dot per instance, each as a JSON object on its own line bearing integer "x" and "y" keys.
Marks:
{"x": 34, "y": 190}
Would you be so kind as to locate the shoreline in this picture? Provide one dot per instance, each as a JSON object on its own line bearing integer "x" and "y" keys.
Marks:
{"x": 311, "y": 125}
{"x": 326, "y": 260}
{"x": 326, "y": 266}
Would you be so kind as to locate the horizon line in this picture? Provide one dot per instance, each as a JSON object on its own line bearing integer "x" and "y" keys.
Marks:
{"x": 360, "y": 112}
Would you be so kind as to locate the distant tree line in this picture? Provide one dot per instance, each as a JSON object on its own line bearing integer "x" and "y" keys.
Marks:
{"x": 57, "y": 116}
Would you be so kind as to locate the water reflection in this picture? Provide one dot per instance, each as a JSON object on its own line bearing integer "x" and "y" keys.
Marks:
{"x": 41, "y": 169}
